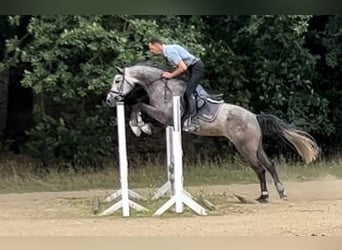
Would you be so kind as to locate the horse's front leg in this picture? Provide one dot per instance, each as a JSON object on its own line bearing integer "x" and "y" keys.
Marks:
{"x": 145, "y": 127}
{"x": 133, "y": 123}
{"x": 136, "y": 122}
{"x": 157, "y": 114}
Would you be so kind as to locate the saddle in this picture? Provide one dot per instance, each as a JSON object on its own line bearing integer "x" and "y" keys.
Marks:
{"x": 208, "y": 105}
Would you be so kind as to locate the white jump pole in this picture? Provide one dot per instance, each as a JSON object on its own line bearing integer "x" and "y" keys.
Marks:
{"x": 125, "y": 203}
{"x": 169, "y": 166}
{"x": 179, "y": 196}
{"x": 168, "y": 185}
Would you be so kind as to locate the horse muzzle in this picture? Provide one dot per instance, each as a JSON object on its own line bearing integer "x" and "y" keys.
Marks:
{"x": 112, "y": 99}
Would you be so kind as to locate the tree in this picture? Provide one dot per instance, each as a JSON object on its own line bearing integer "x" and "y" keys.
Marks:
{"x": 265, "y": 66}
{"x": 263, "y": 63}
{"x": 71, "y": 63}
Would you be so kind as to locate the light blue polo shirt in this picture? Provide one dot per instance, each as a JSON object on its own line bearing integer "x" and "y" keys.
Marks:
{"x": 174, "y": 53}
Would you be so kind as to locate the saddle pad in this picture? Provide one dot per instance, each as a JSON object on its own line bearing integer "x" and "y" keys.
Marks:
{"x": 209, "y": 111}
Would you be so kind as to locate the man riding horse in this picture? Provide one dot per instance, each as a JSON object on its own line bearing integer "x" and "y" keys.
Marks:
{"x": 185, "y": 61}
{"x": 239, "y": 125}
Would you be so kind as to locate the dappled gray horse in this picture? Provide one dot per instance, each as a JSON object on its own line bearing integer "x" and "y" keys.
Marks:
{"x": 242, "y": 127}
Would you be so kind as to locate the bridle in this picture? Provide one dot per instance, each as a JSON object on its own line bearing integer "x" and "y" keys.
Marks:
{"x": 120, "y": 92}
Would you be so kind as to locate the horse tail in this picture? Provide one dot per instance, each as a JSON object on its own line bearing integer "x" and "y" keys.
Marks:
{"x": 304, "y": 143}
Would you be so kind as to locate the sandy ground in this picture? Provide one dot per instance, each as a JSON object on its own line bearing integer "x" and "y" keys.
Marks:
{"x": 312, "y": 209}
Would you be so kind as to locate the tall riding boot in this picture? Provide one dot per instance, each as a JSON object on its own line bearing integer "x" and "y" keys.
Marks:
{"x": 191, "y": 124}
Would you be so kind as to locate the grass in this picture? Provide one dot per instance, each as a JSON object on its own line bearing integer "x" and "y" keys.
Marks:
{"x": 82, "y": 207}
{"x": 19, "y": 175}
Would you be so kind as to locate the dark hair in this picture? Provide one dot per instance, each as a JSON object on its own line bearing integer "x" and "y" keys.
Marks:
{"x": 155, "y": 40}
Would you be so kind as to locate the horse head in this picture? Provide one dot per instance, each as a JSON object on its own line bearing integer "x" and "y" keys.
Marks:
{"x": 127, "y": 78}
{"x": 123, "y": 83}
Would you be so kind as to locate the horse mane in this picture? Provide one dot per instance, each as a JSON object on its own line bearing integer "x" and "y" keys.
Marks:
{"x": 146, "y": 62}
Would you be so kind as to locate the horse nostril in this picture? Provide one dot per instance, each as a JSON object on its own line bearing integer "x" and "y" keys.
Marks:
{"x": 110, "y": 99}
{"x": 118, "y": 98}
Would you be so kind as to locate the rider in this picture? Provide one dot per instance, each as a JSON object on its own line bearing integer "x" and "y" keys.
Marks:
{"x": 184, "y": 61}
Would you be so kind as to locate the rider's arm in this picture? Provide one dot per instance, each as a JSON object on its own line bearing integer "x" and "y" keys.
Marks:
{"x": 181, "y": 67}
{"x": 176, "y": 59}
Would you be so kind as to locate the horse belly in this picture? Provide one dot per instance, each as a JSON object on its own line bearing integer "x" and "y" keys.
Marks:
{"x": 215, "y": 128}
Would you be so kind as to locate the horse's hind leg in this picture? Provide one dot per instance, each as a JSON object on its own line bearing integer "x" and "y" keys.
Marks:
{"x": 260, "y": 172}
{"x": 249, "y": 152}
{"x": 250, "y": 147}
{"x": 271, "y": 168}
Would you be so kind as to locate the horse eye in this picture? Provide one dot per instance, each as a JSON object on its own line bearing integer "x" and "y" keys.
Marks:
{"x": 117, "y": 81}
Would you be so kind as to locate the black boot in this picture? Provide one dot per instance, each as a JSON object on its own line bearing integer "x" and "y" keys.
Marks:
{"x": 191, "y": 124}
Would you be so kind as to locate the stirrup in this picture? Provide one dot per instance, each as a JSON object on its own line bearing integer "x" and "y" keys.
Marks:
{"x": 191, "y": 125}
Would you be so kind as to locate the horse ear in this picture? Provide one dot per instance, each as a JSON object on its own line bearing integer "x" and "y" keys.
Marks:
{"x": 120, "y": 70}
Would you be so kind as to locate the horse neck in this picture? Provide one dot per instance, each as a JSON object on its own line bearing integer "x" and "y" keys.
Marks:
{"x": 150, "y": 79}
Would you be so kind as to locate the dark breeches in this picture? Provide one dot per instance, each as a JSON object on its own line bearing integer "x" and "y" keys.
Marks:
{"x": 196, "y": 73}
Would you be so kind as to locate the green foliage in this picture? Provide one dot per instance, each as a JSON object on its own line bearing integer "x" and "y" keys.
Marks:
{"x": 329, "y": 43}
{"x": 70, "y": 56}
{"x": 264, "y": 63}
{"x": 332, "y": 41}
{"x": 72, "y": 61}
{"x": 269, "y": 68}
{"x": 82, "y": 142}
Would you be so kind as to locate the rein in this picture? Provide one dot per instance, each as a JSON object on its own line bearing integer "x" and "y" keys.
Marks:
{"x": 166, "y": 86}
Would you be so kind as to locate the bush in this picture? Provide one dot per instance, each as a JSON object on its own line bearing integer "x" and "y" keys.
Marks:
{"x": 81, "y": 143}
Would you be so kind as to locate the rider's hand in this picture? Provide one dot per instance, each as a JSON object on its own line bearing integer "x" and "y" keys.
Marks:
{"x": 167, "y": 75}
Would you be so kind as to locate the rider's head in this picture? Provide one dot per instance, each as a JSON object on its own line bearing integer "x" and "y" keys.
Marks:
{"x": 155, "y": 46}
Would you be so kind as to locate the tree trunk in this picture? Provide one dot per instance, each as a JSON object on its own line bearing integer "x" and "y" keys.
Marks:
{"x": 4, "y": 81}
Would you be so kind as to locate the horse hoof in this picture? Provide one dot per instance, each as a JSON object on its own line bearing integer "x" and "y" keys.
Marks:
{"x": 135, "y": 129}
{"x": 262, "y": 199}
{"x": 146, "y": 128}
{"x": 283, "y": 197}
